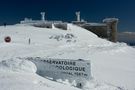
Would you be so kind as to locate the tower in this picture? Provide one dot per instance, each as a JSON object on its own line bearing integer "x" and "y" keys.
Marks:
{"x": 78, "y": 16}
{"x": 42, "y": 16}
{"x": 112, "y": 24}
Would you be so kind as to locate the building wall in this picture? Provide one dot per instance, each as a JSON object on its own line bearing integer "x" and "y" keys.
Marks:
{"x": 107, "y": 29}
{"x": 100, "y": 31}
{"x": 62, "y": 26}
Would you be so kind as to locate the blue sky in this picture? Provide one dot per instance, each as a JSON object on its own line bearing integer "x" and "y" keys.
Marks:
{"x": 12, "y": 11}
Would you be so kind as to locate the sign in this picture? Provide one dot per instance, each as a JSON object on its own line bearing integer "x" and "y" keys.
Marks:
{"x": 7, "y": 39}
{"x": 78, "y": 70}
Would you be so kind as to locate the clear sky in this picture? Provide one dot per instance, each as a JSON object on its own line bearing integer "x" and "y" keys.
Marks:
{"x": 12, "y": 11}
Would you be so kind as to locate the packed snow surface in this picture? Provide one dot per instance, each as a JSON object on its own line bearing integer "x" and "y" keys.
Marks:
{"x": 113, "y": 64}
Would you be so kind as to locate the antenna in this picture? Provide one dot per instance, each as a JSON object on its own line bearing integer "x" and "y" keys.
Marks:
{"x": 78, "y": 16}
{"x": 42, "y": 16}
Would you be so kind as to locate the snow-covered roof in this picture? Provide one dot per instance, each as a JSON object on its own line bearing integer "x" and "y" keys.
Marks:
{"x": 110, "y": 20}
{"x": 96, "y": 24}
{"x": 38, "y": 21}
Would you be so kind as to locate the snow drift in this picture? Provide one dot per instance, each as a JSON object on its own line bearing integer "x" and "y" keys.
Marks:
{"x": 112, "y": 63}
{"x": 18, "y": 65}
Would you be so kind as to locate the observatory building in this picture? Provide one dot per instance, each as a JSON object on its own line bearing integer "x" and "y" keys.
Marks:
{"x": 107, "y": 29}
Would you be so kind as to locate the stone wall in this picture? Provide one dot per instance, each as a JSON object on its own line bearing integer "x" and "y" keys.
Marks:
{"x": 107, "y": 29}
{"x": 100, "y": 31}
{"x": 62, "y": 26}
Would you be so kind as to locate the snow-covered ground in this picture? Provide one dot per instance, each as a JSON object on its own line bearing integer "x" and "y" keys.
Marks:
{"x": 113, "y": 64}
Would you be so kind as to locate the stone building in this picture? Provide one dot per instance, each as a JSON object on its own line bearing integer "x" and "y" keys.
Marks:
{"x": 107, "y": 29}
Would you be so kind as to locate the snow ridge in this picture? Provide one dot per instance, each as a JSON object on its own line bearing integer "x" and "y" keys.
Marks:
{"x": 112, "y": 63}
